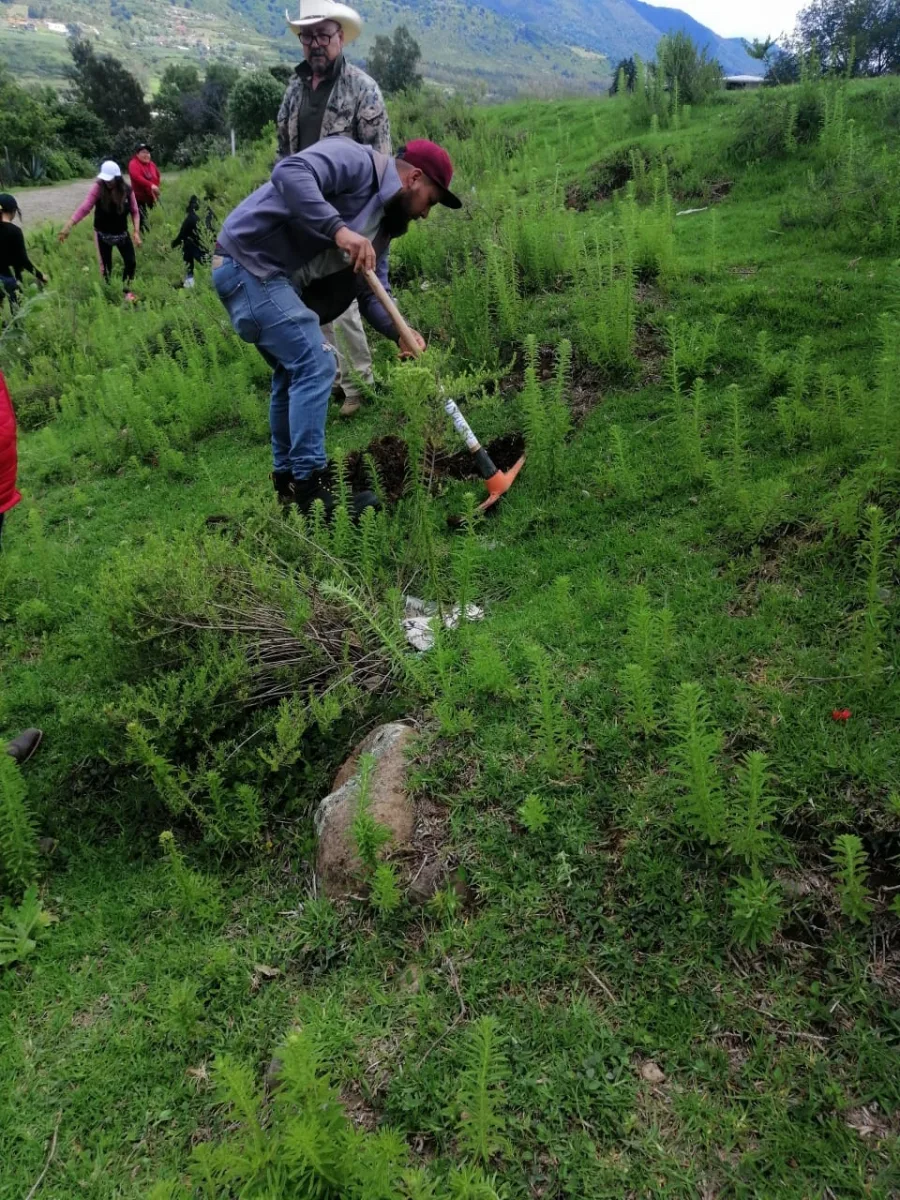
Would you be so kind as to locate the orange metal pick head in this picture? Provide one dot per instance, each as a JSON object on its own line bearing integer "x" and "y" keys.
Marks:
{"x": 498, "y": 485}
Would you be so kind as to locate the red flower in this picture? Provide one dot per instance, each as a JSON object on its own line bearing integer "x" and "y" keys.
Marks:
{"x": 841, "y": 714}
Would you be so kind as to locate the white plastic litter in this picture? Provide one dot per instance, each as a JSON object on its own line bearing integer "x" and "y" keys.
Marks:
{"x": 689, "y": 212}
{"x": 419, "y": 617}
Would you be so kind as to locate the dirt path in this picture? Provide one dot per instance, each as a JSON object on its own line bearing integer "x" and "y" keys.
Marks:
{"x": 54, "y": 203}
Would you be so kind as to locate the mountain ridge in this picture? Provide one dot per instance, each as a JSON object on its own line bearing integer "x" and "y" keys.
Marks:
{"x": 504, "y": 47}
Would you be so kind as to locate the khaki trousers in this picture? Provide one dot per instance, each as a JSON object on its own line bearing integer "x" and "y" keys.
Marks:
{"x": 349, "y": 339}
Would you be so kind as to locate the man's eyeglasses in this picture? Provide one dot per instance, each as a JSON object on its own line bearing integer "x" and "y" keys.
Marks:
{"x": 318, "y": 37}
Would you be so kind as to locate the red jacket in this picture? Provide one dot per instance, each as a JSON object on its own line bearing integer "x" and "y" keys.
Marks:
{"x": 143, "y": 176}
{"x": 9, "y": 497}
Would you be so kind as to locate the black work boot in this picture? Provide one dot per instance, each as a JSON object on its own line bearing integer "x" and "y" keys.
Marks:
{"x": 284, "y": 487}
{"x": 21, "y": 748}
{"x": 316, "y": 487}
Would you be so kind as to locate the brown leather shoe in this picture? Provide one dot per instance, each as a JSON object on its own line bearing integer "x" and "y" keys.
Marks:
{"x": 22, "y": 747}
{"x": 351, "y": 406}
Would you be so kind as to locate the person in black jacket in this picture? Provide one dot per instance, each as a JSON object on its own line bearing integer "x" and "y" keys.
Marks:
{"x": 13, "y": 254}
{"x": 190, "y": 239}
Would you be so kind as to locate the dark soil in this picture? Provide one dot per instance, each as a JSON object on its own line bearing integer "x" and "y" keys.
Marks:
{"x": 609, "y": 176}
{"x": 603, "y": 180}
{"x": 505, "y": 452}
{"x": 712, "y": 191}
{"x": 585, "y": 387}
{"x": 389, "y": 454}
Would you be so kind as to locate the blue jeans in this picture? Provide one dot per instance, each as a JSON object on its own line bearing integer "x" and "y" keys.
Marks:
{"x": 9, "y": 287}
{"x": 270, "y": 315}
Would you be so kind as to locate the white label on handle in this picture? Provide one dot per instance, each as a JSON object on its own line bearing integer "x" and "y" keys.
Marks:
{"x": 461, "y": 425}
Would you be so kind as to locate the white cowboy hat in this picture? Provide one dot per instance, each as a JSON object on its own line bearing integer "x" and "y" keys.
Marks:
{"x": 109, "y": 171}
{"x": 314, "y": 11}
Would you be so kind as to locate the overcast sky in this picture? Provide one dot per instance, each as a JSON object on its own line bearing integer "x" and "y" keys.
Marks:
{"x": 741, "y": 18}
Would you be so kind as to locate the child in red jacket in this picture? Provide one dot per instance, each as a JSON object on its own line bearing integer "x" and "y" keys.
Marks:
{"x": 9, "y": 497}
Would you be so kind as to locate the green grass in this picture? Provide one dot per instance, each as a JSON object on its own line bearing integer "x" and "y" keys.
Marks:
{"x": 38, "y": 57}
{"x": 513, "y": 1032}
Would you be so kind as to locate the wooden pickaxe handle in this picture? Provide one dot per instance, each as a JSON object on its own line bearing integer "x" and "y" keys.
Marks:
{"x": 381, "y": 295}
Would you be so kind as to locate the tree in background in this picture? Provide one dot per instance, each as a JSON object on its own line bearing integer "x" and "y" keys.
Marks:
{"x": 682, "y": 75}
{"x": 625, "y": 77}
{"x": 254, "y": 101}
{"x": 689, "y": 74}
{"x": 44, "y": 136}
{"x": 191, "y": 112}
{"x": 78, "y": 128}
{"x": 784, "y": 67}
{"x": 179, "y": 80}
{"x": 26, "y": 127}
{"x": 282, "y": 72}
{"x": 217, "y": 87}
{"x": 105, "y": 87}
{"x": 393, "y": 62}
{"x": 175, "y": 103}
{"x": 860, "y": 37}
{"x": 760, "y": 49}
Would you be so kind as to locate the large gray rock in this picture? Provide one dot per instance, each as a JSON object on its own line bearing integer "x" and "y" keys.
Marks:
{"x": 337, "y": 864}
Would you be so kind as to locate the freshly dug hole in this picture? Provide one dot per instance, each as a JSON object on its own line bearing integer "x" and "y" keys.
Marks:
{"x": 390, "y": 455}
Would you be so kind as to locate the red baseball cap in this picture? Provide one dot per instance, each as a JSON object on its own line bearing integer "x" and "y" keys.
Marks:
{"x": 435, "y": 162}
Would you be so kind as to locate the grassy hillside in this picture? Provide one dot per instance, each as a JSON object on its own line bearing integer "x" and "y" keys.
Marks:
{"x": 463, "y": 45}
{"x": 503, "y": 46}
{"x": 665, "y": 763}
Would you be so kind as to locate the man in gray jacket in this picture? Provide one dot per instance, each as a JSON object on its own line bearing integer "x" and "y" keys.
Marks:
{"x": 328, "y": 96}
{"x": 292, "y": 256}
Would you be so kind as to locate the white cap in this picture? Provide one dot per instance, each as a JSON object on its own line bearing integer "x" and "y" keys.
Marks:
{"x": 109, "y": 171}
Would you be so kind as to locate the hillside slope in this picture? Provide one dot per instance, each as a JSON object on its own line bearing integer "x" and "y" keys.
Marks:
{"x": 657, "y": 781}
{"x": 504, "y": 46}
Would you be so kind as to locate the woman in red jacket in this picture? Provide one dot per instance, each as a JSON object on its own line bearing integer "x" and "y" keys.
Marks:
{"x": 144, "y": 175}
{"x": 9, "y": 497}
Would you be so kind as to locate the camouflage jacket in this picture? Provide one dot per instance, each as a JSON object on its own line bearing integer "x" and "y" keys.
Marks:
{"x": 355, "y": 110}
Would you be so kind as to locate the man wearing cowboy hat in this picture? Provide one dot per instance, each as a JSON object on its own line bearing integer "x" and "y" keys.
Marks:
{"x": 293, "y": 255}
{"x": 329, "y": 96}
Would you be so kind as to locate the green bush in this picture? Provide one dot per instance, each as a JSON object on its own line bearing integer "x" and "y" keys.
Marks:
{"x": 307, "y": 1146}
{"x": 253, "y": 103}
{"x": 199, "y": 149}
{"x": 777, "y": 122}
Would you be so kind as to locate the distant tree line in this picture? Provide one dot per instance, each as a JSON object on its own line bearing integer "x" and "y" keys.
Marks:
{"x": 856, "y": 37}
{"x": 680, "y": 70}
{"x": 50, "y": 135}
{"x": 853, "y": 37}
{"x": 394, "y": 62}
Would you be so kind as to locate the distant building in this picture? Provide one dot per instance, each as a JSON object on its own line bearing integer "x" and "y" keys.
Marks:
{"x": 57, "y": 27}
{"x": 740, "y": 83}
